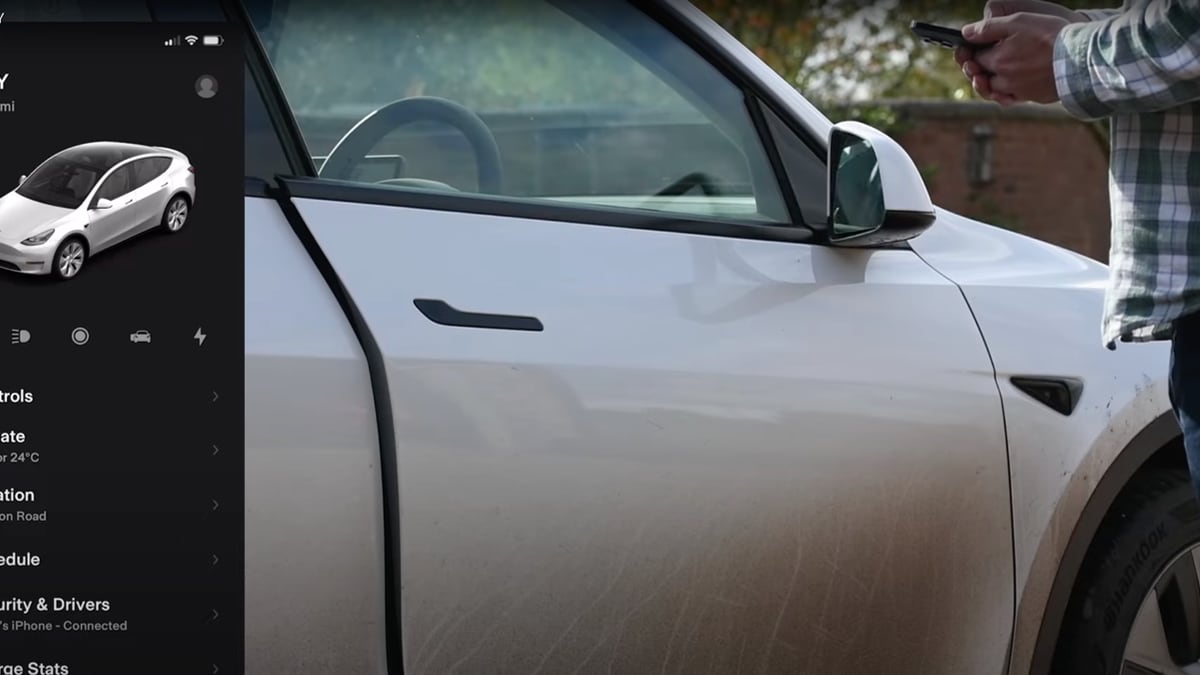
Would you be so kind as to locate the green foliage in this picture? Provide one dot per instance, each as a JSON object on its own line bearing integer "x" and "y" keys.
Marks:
{"x": 930, "y": 172}
{"x": 884, "y": 118}
{"x": 842, "y": 50}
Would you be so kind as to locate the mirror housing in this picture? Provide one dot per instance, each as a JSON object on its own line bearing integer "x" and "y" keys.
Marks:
{"x": 876, "y": 194}
{"x": 102, "y": 204}
{"x": 21, "y": 179}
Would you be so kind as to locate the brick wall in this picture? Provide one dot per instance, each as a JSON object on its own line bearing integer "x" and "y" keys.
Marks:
{"x": 1048, "y": 172}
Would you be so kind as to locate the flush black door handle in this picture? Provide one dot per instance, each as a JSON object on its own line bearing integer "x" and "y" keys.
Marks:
{"x": 440, "y": 312}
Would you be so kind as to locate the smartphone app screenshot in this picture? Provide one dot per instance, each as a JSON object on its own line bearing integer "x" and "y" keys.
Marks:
{"x": 121, "y": 357}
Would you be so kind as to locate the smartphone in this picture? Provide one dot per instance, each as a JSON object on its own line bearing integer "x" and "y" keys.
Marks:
{"x": 941, "y": 35}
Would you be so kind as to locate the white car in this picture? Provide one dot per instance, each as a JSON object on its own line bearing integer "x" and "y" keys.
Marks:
{"x": 607, "y": 378}
{"x": 88, "y": 198}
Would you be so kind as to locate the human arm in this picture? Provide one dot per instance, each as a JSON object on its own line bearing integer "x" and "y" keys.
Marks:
{"x": 1097, "y": 14}
{"x": 1143, "y": 59}
{"x": 965, "y": 56}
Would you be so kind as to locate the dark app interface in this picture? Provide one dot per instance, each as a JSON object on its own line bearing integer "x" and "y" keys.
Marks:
{"x": 121, "y": 258}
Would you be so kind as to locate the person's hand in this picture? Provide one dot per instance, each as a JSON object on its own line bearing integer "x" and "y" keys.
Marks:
{"x": 1021, "y": 63}
{"x": 967, "y": 58}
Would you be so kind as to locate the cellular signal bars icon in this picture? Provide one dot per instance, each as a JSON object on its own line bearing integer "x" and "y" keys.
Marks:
{"x": 173, "y": 41}
{"x": 20, "y": 336}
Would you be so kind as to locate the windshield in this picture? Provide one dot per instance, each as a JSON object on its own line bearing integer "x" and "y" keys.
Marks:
{"x": 60, "y": 182}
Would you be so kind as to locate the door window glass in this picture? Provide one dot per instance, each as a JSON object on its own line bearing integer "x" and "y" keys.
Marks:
{"x": 160, "y": 166}
{"x": 117, "y": 184}
{"x": 579, "y": 102}
{"x": 146, "y": 170}
{"x": 141, "y": 173}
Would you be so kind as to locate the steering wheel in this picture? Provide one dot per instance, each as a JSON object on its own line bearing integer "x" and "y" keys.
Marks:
{"x": 357, "y": 142}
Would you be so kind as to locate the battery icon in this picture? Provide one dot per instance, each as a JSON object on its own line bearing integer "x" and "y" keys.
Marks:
{"x": 212, "y": 40}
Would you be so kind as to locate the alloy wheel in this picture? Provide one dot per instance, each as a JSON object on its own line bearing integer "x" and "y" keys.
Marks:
{"x": 1165, "y": 638}
{"x": 176, "y": 215}
{"x": 71, "y": 259}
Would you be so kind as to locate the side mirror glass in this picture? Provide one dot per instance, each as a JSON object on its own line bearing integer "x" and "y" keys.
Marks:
{"x": 856, "y": 193}
{"x": 21, "y": 179}
{"x": 876, "y": 194}
{"x": 102, "y": 204}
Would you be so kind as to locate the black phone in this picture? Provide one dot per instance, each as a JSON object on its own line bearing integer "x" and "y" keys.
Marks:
{"x": 941, "y": 35}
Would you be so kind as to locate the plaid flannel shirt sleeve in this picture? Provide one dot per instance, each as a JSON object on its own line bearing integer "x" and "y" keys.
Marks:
{"x": 1098, "y": 14}
{"x": 1145, "y": 58}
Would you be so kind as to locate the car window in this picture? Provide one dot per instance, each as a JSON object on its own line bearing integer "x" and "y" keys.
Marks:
{"x": 804, "y": 168}
{"x": 146, "y": 170}
{"x": 141, "y": 173}
{"x": 265, "y": 156}
{"x": 586, "y": 102}
{"x": 60, "y": 182}
{"x": 159, "y": 166}
{"x": 117, "y": 184}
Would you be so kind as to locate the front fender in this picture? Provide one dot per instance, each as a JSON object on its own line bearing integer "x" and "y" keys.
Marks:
{"x": 1039, "y": 308}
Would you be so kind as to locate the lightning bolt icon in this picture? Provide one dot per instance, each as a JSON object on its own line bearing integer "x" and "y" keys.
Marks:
{"x": 199, "y": 337}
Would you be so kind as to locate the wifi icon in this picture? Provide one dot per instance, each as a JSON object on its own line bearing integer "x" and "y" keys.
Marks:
{"x": 191, "y": 40}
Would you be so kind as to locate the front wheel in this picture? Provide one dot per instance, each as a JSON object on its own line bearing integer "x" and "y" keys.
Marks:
{"x": 69, "y": 259}
{"x": 176, "y": 214}
{"x": 1135, "y": 609}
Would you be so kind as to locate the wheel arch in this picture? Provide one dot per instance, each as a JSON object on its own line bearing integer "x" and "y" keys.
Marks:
{"x": 83, "y": 239}
{"x": 180, "y": 192}
{"x": 1159, "y": 442}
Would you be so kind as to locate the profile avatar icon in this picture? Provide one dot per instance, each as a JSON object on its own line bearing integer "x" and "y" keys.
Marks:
{"x": 206, "y": 86}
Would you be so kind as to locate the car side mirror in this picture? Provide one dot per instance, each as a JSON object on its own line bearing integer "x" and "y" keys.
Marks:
{"x": 21, "y": 179}
{"x": 876, "y": 193}
{"x": 102, "y": 204}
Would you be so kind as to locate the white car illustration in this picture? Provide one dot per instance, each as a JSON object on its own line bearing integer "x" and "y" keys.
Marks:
{"x": 88, "y": 198}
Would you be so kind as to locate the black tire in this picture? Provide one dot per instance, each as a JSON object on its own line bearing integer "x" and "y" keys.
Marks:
{"x": 179, "y": 200}
{"x": 1155, "y": 520}
{"x": 70, "y": 246}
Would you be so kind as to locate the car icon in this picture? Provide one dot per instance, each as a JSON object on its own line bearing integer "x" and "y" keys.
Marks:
{"x": 88, "y": 198}
{"x": 140, "y": 336}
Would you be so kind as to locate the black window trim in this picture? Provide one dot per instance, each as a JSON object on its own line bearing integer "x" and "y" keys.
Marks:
{"x": 270, "y": 93}
{"x": 732, "y": 68}
{"x": 329, "y": 189}
{"x": 302, "y": 179}
{"x": 775, "y": 159}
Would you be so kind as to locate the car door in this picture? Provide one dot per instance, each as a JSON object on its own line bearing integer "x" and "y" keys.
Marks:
{"x": 145, "y": 192}
{"x": 631, "y": 421}
{"x": 108, "y": 226}
{"x": 153, "y": 190}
